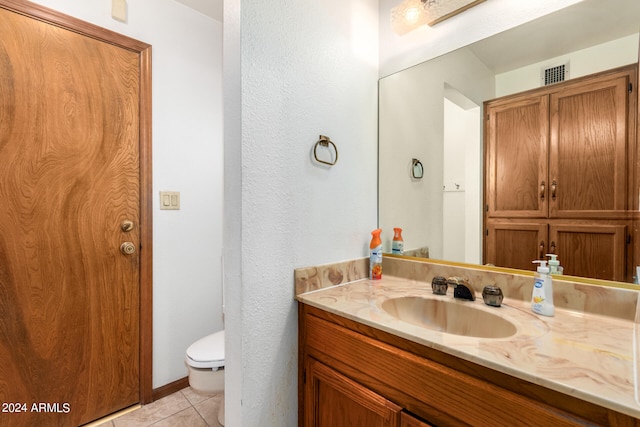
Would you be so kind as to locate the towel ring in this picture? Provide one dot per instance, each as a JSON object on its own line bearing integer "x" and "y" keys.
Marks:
{"x": 325, "y": 141}
{"x": 417, "y": 170}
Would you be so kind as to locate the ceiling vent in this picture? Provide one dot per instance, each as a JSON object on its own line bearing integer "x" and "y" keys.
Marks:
{"x": 556, "y": 74}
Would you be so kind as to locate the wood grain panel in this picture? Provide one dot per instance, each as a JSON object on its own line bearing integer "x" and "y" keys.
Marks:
{"x": 407, "y": 420}
{"x": 516, "y": 243}
{"x": 517, "y": 149}
{"x": 588, "y": 152}
{"x": 69, "y": 141}
{"x": 341, "y": 402}
{"x": 594, "y": 250}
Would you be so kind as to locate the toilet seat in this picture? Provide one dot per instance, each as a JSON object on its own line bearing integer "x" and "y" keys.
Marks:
{"x": 207, "y": 352}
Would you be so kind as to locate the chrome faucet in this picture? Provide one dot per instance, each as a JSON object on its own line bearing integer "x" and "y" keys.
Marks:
{"x": 461, "y": 288}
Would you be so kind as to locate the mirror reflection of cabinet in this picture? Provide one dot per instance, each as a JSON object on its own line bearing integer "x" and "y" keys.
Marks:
{"x": 601, "y": 253}
{"x": 556, "y": 181}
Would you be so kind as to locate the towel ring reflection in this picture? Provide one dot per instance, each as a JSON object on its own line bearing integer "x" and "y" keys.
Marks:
{"x": 325, "y": 141}
{"x": 417, "y": 171}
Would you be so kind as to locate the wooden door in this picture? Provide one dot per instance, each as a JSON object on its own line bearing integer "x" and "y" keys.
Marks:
{"x": 591, "y": 249}
{"x": 71, "y": 134}
{"x": 590, "y": 130}
{"x": 517, "y": 131}
{"x": 516, "y": 243}
{"x": 334, "y": 400}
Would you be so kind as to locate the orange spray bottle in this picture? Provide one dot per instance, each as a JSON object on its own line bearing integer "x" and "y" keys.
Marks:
{"x": 397, "y": 244}
{"x": 375, "y": 255}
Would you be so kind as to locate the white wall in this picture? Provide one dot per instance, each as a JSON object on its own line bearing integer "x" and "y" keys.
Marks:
{"x": 293, "y": 71}
{"x": 187, "y": 157}
{"x": 484, "y": 20}
{"x": 616, "y": 53}
{"x": 462, "y": 196}
{"x": 411, "y": 123}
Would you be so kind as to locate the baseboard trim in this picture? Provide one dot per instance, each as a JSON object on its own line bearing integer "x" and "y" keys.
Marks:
{"x": 167, "y": 389}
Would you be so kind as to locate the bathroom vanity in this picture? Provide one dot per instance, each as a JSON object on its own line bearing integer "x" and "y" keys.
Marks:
{"x": 362, "y": 363}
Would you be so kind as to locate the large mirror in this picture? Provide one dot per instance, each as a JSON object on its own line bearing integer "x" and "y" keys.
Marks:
{"x": 431, "y": 113}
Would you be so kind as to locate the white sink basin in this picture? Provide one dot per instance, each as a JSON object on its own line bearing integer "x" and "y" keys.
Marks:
{"x": 451, "y": 316}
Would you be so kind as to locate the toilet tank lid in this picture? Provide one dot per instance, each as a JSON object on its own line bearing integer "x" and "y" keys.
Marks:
{"x": 208, "y": 349}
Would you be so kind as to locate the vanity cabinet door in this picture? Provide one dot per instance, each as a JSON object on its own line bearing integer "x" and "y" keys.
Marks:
{"x": 517, "y": 132}
{"x": 336, "y": 401}
{"x": 515, "y": 243}
{"x": 589, "y": 133}
{"x": 591, "y": 249}
{"x": 409, "y": 421}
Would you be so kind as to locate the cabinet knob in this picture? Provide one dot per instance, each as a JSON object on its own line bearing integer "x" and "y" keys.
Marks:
{"x": 542, "y": 190}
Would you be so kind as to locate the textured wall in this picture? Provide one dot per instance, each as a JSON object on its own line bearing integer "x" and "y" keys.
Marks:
{"x": 293, "y": 71}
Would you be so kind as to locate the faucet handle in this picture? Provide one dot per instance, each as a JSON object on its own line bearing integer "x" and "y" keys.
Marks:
{"x": 492, "y": 295}
{"x": 439, "y": 285}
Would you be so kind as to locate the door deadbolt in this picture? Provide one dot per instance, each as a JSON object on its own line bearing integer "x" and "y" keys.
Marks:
{"x": 126, "y": 225}
{"x": 127, "y": 248}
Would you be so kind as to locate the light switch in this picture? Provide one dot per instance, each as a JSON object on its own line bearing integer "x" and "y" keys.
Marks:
{"x": 119, "y": 10}
{"x": 169, "y": 200}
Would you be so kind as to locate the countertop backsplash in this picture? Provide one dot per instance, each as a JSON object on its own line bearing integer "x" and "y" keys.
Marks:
{"x": 568, "y": 294}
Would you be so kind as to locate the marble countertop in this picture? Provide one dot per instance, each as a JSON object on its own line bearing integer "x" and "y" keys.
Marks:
{"x": 588, "y": 356}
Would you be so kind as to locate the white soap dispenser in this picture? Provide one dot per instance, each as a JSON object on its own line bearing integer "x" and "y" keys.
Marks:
{"x": 542, "y": 296}
{"x": 554, "y": 264}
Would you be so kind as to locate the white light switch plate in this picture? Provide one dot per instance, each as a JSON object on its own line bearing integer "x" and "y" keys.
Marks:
{"x": 169, "y": 200}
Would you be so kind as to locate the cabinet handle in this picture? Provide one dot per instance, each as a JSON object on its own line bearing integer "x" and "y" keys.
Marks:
{"x": 554, "y": 185}
{"x": 542, "y": 251}
{"x": 542, "y": 190}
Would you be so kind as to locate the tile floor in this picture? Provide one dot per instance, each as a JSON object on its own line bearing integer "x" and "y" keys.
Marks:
{"x": 185, "y": 408}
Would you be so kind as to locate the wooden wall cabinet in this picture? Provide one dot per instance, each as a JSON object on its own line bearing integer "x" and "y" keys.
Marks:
{"x": 354, "y": 375}
{"x": 563, "y": 152}
{"x": 596, "y": 249}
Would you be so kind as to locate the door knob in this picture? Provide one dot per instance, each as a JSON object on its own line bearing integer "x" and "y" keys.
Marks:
{"x": 127, "y": 248}
{"x": 126, "y": 225}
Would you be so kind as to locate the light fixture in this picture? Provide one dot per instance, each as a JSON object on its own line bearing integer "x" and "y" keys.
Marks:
{"x": 412, "y": 14}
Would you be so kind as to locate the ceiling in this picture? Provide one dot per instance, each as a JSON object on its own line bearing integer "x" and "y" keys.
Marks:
{"x": 211, "y": 8}
{"x": 584, "y": 24}
{"x": 569, "y": 31}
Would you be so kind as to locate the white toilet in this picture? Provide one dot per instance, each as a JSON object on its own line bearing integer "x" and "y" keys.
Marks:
{"x": 205, "y": 362}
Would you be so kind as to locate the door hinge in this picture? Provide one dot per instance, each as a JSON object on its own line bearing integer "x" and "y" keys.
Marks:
{"x": 304, "y": 376}
{"x": 630, "y": 87}
{"x": 628, "y": 239}
{"x": 486, "y": 208}
{"x": 487, "y": 231}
